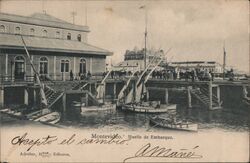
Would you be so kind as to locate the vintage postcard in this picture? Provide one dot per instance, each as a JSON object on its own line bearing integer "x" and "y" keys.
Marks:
{"x": 124, "y": 81}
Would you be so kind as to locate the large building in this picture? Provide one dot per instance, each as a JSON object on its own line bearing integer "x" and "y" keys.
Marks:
{"x": 56, "y": 48}
{"x": 212, "y": 66}
{"x": 134, "y": 59}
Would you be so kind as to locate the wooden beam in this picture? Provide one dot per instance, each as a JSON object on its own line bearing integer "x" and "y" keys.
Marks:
{"x": 163, "y": 89}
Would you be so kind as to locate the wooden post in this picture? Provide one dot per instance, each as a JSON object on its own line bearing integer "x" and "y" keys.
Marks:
{"x": 166, "y": 96}
{"x": 86, "y": 99}
{"x": 90, "y": 88}
{"x": 1, "y": 97}
{"x": 26, "y": 97}
{"x": 218, "y": 94}
{"x": 64, "y": 104}
{"x": 104, "y": 91}
{"x": 189, "y": 97}
{"x": 147, "y": 94}
{"x": 34, "y": 98}
{"x": 114, "y": 91}
{"x": 244, "y": 90}
{"x": 210, "y": 95}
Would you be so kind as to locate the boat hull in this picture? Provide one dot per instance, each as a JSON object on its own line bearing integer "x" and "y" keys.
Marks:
{"x": 52, "y": 118}
{"x": 105, "y": 107}
{"x": 184, "y": 127}
{"x": 148, "y": 109}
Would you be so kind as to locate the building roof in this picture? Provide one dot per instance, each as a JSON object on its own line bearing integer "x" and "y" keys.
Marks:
{"x": 11, "y": 41}
{"x": 42, "y": 20}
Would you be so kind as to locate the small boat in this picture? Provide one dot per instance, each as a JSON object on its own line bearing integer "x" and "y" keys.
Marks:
{"x": 148, "y": 107}
{"x": 104, "y": 107}
{"x": 246, "y": 101}
{"x": 5, "y": 110}
{"x": 52, "y": 117}
{"x": 171, "y": 124}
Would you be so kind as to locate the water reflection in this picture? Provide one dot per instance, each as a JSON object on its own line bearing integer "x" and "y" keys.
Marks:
{"x": 226, "y": 119}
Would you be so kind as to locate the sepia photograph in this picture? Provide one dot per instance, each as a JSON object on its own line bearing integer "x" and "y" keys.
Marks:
{"x": 124, "y": 81}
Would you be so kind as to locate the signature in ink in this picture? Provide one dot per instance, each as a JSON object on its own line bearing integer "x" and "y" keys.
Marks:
{"x": 149, "y": 151}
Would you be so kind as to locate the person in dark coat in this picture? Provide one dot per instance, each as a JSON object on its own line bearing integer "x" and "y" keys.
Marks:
{"x": 71, "y": 75}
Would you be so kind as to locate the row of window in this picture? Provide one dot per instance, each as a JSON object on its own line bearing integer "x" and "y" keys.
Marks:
{"x": 44, "y": 32}
{"x": 43, "y": 65}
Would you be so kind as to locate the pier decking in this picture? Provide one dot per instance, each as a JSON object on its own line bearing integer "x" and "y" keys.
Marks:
{"x": 210, "y": 94}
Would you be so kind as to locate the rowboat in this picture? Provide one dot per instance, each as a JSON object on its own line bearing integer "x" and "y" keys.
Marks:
{"x": 172, "y": 124}
{"x": 104, "y": 107}
{"x": 52, "y": 118}
{"x": 148, "y": 107}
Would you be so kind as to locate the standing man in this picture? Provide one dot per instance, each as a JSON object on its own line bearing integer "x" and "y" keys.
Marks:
{"x": 71, "y": 75}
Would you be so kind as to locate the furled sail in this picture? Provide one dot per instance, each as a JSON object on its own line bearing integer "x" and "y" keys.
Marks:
{"x": 43, "y": 97}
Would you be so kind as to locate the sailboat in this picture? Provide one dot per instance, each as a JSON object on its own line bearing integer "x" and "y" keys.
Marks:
{"x": 101, "y": 105}
{"x": 136, "y": 104}
{"x": 132, "y": 101}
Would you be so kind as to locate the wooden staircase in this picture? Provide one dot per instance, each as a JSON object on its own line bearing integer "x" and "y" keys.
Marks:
{"x": 79, "y": 85}
{"x": 202, "y": 95}
{"x": 52, "y": 96}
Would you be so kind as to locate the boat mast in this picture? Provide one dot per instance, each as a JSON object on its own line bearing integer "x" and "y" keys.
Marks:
{"x": 224, "y": 60}
{"x": 44, "y": 100}
{"x": 146, "y": 33}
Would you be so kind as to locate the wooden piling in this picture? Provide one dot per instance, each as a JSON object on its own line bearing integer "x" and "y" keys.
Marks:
{"x": 210, "y": 95}
{"x": 26, "y": 97}
{"x": 147, "y": 98}
{"x": 218, "y": 94}
{"x": 34, "y": 97}
{"x": 87, "y": 99}
{"x": 189, "y": 97}
{"x": 1, "y": 97}
{"x": 166, "y": 96}
{"x": 64, "y": 104}
{"x": 114, "y": 91}
{"x": 104, "y": 92}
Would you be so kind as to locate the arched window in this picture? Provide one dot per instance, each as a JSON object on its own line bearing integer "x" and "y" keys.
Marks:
{"x": 2, "y": 28}
{"x": 32, "y": 31}
{"x": 65, "y": 65}
{"x": 17, "y": 30}
{"x": 45, "y": 33}
{"x": 19, "y": 70}
{"x": 82, "y": 66}
{"x": 43, "y": 65}
{"x": 69, "y": 36}
{"x": 57, "y": 34}
{"x": 79, "y": 37}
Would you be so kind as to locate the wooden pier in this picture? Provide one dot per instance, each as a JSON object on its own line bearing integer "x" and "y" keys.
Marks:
{"x": 209, "y": 94}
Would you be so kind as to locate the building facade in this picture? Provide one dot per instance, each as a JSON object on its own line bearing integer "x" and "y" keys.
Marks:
{"x": 209, "y": 66}
{"x": 56, "y": 48}
{"x": 134, "y": 59}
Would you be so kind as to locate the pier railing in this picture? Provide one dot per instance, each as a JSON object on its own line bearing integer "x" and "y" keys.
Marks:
{"x": 7, "y": 79}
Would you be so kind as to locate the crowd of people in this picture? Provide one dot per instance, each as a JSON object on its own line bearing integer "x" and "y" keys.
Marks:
{"x": 171, "y": 74}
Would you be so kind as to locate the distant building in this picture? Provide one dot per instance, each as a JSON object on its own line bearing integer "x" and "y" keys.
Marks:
{"x": 203, "y": 65}
{"x": 134, "y": 59}
{"x": 56, "y": 47}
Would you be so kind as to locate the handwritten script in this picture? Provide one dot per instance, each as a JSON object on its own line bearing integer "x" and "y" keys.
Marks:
{"x": 24, "y": 140}
{"x": 149, "y": 151}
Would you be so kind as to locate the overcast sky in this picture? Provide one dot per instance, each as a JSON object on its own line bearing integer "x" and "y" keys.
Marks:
{"x": 195, "y": 29}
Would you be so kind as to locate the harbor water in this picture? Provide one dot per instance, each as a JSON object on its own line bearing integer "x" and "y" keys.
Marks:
{"x": 226, "y": 119}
